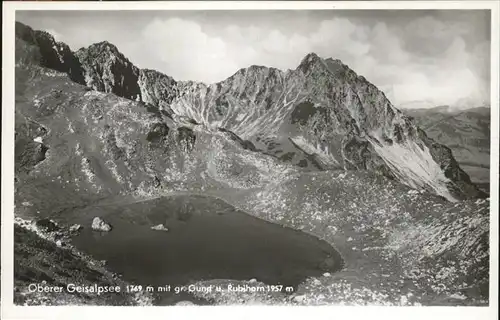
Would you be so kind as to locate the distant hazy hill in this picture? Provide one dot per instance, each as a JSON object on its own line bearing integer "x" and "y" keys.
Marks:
{"x": 466, "y": 132}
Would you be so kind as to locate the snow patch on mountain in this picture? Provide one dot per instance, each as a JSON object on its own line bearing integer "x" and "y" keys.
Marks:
{"x": 414, "y": 166}
{"x": 321, "y": 151}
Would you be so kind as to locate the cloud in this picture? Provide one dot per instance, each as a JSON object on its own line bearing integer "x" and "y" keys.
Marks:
{"x": 182, "y": 47}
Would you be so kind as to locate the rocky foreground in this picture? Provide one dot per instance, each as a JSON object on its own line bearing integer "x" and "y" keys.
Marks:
{"x": 45, "y": 260}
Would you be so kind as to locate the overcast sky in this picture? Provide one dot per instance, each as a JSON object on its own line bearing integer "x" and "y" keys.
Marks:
{"x": 441, "y": 57}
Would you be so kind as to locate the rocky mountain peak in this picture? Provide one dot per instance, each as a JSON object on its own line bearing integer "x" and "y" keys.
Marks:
{"x": 102, "y": 50}
{"x": 311, "y": 57}
{"x": 335, "y": 61}
{"x": 106, "y": 69}
{"x": 157, "y": 88}
{"x": 309, "y": 62}
{"x": 324, "y": 70}
{"x": 254, "y": 71}
{"x": 105, "y": 45}
{"x": 257, "y": 67}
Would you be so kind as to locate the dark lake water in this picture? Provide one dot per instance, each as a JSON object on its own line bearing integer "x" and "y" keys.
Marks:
{"x": 207, "y": 239}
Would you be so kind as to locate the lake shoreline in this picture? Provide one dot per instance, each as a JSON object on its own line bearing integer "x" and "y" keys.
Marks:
{"x": 197, "y": 222}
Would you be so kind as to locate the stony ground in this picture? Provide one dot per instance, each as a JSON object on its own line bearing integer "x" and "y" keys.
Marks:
{"x": 401, "y": 247}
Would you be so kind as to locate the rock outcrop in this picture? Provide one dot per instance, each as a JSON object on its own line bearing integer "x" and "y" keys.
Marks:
{"x": 107, "y": 70}
{"x": 159, "y": 227}
{"x": 42, "y": 48}
{"x": 75, "y": 228}
{"x": 157, "y": 88}
{"x": 100, "y": 225}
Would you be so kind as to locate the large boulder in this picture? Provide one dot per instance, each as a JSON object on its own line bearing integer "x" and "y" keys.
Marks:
{"x": 100, "y": 225}
{"x": 75, "y": 228}
{"x": 159, "y": 227}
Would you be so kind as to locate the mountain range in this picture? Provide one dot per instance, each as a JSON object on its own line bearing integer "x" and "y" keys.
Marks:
{"x": 320, "y": 115}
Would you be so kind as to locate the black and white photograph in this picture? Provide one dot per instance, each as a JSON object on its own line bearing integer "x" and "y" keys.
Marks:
{"x": 257, "y": 157}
